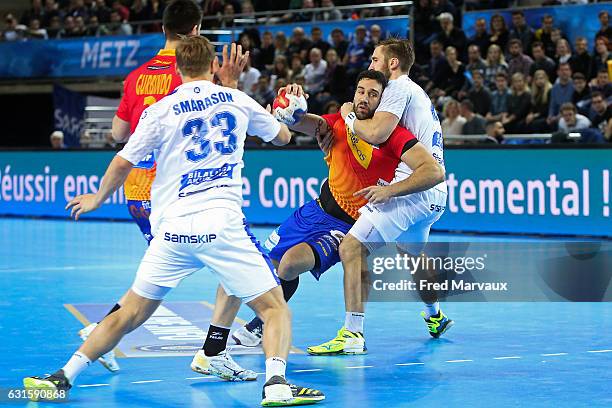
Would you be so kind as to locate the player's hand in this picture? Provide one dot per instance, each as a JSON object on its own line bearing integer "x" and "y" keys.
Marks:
{"x": 233, "y": 65}
{"x": 294, "y": 89}
{"x": 346, "y": 108}
{"x": 82, "y": 204}
{"x": 375, "y": 194}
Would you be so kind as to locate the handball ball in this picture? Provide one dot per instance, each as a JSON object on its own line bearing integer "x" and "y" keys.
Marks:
{"x": 289, "y": 109}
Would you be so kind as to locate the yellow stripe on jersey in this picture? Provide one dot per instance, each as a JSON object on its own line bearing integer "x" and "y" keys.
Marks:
{"x": 361, "y": 149}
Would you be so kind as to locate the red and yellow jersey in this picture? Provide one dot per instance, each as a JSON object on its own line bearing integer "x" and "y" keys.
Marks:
{"x": 355, "y": 164}
{"x": 143, "y": 87}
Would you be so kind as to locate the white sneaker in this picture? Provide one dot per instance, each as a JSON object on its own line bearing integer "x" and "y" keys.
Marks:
{"x": 247, "y": 338}
{"x": 222, "y": 365}
{"x": 107, "y": 360}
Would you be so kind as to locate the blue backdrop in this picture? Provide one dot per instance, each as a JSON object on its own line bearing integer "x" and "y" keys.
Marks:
{"x": 545, "y": 191}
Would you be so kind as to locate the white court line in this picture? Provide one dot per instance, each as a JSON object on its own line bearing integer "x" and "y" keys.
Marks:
{"x": 308, "y": 371}
{"x": 200, "y": 377}
{"x": 365, "y": 366}
{"x": 409, "y": 364}
{"x": 599, "y": 351}
{"x": 65, "y": 268}
{"x": 553, "y": 354}
{"x": 146, "y": 381}
{"x": 92, "y": 385}
{"x": 506, "y": 358}
{"x": 458, "y": 361}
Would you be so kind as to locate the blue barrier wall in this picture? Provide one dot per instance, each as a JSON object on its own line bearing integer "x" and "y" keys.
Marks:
{"x": 546, "y": 191}
{"x": 574, "y": 21}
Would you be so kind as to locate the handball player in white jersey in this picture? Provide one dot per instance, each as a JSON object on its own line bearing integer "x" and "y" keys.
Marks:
{"x": 403, "y": 211}
{"x": 197, "y": 220}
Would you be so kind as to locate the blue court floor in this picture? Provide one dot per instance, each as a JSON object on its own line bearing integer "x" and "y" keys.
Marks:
{"x": 57, "y": 274}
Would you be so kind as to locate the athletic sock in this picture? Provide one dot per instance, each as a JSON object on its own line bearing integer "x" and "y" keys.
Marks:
{"x": 432, "y": 309}
{"x": 216, "y": 340}
{"x": 113, "y": 310}
{"x": 254, "y": 324}
{"x": 275, "y": 366}
{"x": 77, "y": 363}
{"x": 353, "y": 321}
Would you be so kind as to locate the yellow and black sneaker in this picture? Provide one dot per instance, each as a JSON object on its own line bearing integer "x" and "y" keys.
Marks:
{"x": 51, "y": 387}
{"x": 437, "y": 324}
{"x": 346, "y": 342}
{"x": 277, "y": 392}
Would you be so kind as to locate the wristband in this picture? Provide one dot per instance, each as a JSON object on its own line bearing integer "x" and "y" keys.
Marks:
{"x": 350, "y": 121}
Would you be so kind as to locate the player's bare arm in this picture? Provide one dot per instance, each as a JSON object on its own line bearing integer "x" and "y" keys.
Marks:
{"x": 375, "y": 130}
{"x": 120, "y": 130}
{"x": 426, "y": 174}
{"x": 114, "y": 177}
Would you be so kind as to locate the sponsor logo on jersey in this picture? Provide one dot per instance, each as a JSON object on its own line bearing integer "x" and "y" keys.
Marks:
{"x": 199, "y": 176}
{"x": 436, "y": 140}
{"x": 158, "y": 68}
{"x": 361, "y": 149}
{"x": 153, "y": 84}
{"x": 189, "y": 239}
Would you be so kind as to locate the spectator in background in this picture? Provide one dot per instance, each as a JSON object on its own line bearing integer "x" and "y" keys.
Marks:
{"x": 561, "y": 92}
{"x": 451, "y": 36}
{"x": 339, "y": 43}
{"x": 67, "y": 30}
{"x": 376, "y": 35}
{"x": 357, "y": 57}
{"x": 518, "y": 62}
{"x": 542, "y": 62}
{"x": 496, "y": 63}
{"x": 281, "y": 45}
{"x": 602, "y": 55}
{"x": 314, "y": 73}
{"x": 316, "y": 37}
{"x": 299, "y": 44}
{"x": 297, "y": 68}
{"x": 581, "y": 61}
{"x": 563, "y": 52}
{"x": 101, "y": 10}
{"x": 544, "y": 33}
{"x": 475, "y": 60}
{"x": 80, "y": 29}
{"x": 601, "y": 114}
{"x": 499, "y": 98}
{"x": 582, "y": 93}
{"x": 248, "y": 78}
{"x": 456, "y": 80}
{"x": 227, "y": 18}
{"x": 499, "y": 32}
{"x": 337, "y": 86}
{"x": 57, "y": 140}
{"x": 94, "y": 29}
{"x": 479, "y": 95}
{"x": 140, "y": 11}
{"x": 280, "y": 71}
{"x": 605, "y": 30}
{"x": 247, "y": 45}
{"x": 423, "y": 30}
{"x": 453, "y": 122}
{"x": 481, "y": 36}
{"x": 495, "y": 132}
{"x": 13, "y": 31}
{"x": 55, "y": 27}
{"x": 117, "y": 25}
{"x": 571, "y": 120}
{"x": 520, "y": 30}
{"x": 78, "y": 9}
{"x": 36, "y": 11}
{"x": 263, "y": 94}
{"x": 123, "y": 11}
{"x": 439, "y": 70}
{"x": 540, "y": 100}
{"x": 328, "y": 15}
{"x": 35, "y": 32}
{"x": 474, "y": 123}
{"x": 50, "y": 10}
{"x": 519, "y": 105}
{"x": 602, "y": 84}
{"x": 266, "y": 52}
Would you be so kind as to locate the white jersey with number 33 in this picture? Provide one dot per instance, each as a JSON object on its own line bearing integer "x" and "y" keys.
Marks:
{"x": 409, "y": 102}
{"x": 199, "y": 132}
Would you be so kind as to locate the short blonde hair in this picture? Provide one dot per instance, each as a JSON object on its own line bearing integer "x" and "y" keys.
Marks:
{"x": 194, "y": 56}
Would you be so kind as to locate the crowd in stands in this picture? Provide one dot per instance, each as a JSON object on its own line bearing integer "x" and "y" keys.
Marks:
{"x": 507, "y": 76}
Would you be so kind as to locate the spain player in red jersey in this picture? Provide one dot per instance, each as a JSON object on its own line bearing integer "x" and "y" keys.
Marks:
{"x": 310, "y": 238}
{"x": 143, "y": 87}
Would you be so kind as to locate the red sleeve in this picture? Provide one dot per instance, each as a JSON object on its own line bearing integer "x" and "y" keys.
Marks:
{"x": 332, "y": 118}
{"x": 400, "y": 140}
{"x": 123, "y": 111}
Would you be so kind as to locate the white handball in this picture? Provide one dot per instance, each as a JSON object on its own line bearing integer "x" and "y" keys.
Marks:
{"x": 289, "y": 109}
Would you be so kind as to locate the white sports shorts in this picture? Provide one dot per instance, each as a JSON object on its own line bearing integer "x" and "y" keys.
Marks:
{"x": 405, "y": 220}
{"x": 218, "y": 238}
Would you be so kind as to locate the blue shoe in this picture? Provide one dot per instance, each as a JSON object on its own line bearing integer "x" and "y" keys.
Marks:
{"x": 437, "y": 324}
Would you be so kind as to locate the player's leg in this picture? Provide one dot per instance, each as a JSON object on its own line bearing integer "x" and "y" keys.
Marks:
{"x": 213, "y": 358}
